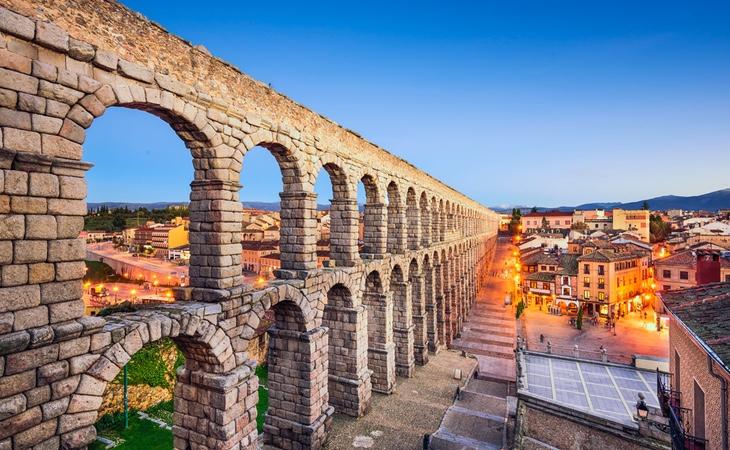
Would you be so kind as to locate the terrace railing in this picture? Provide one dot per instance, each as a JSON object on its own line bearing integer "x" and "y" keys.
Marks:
{"x": 680, "y": 419}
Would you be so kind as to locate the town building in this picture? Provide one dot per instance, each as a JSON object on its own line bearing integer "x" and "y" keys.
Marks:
{"x": 632, "y": 220}
{"x": 161, "y": 237}
{"x": 696, "y": 397}
{"x": 544, "y": 240}
{"x": 677, "y": 271}
{"x": 548, "y": 220}
{"x": 701, "y": 264}
{"x": 613, "y": 282}
{"x": 253, "y": 251}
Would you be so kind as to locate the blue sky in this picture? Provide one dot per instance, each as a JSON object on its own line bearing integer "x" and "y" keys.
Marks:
{"x": 549, "y": 103}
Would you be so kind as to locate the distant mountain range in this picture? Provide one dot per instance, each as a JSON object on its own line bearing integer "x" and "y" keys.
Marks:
{"x": 712, "y": 201}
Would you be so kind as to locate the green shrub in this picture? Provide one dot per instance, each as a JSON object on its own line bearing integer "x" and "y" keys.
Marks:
{"x": 520, "y": 309}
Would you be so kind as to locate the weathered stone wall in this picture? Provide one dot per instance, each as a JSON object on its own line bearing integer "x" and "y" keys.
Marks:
{"x": 538, "y": 426}
{"x": 62, "y": 63}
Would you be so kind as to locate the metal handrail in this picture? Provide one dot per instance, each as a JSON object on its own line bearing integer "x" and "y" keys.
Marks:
{"x": 680, "y": 419}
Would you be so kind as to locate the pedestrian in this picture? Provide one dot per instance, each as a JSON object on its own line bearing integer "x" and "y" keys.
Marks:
{"x": 542, "y": 338}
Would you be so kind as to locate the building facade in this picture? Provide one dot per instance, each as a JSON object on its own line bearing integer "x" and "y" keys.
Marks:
{"x": 549, "y": 220}
{"x": 699, "y": 351}
{"x": 632, "y": 220}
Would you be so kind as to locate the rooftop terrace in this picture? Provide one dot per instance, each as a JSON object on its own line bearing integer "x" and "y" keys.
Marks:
{"x": 606, "y": 391}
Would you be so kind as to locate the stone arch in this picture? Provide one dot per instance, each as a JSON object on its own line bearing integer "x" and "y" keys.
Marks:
{"x": 298, "y": 202}
{"x": 374, "y": 218}
{"x": 402, "y": 322}
{"x": 435, "y": 221}
{"x": 413, "y": 218}
{"x": 425, "y": 214}
{"x": 429, "y": 294}
{"x": 297, "y": 372}
{"x": 348, "y": 375}
{"x": 381, "y": 348}
{"x": 344, "y": 214}
{"x": 443, "y": 219}
{"x": 214, "y": 171}
{"x": 396, "y": 220}
{"x": 420, "y": 339}
{"x": 206, "y": 346}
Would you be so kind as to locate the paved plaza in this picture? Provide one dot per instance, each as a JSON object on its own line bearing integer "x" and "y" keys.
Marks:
{"x": 634, "y": 335}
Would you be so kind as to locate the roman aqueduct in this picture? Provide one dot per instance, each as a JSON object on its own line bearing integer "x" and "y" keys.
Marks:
{"x": 340, "y": 332}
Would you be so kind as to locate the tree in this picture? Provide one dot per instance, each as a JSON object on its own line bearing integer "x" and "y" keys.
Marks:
{"x": 515, "y": 221}
{"x": 534, "y": 209}
{"x": 544, "y": 225}
{"x": 645, "y": 205}
{"x": 579, "y": 319}
{"x": 520, "y": 309}
{"x": 658, "y": 229}
{"x": 118, "y": 221}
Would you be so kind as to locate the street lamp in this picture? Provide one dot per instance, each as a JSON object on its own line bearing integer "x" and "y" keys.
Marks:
{"x": 641, "y": 409}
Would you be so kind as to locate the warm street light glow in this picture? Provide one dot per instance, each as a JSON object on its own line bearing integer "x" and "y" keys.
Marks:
{"x": 134, "y": 292}
{"x": 87, "y": 284}
{"x": 168, "y": 294}
{"x": 115, "y": 289}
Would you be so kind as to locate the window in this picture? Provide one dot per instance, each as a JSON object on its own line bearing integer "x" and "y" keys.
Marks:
{"x": 727, "y": 278}
{"x": 586, "y": 294}
{"x": 601, "y": 296}
{"x": 675, "y": 376}
{"x": 586, "y": 282}
{"x": 586, "y": 269}
{"x": 666, "y": 274}
{"x": 546, "y": 286}
{"x": 566, "y": 280}
{"x": 601, "y": 283}
{"x": 683, "y": 275}
{"x": 601, "y": 270}
{"x": 533, "y": 284}
{"x": 543, "y": 267}
{"x": 567, "y": 222}
{"x": 699, "y": 411}
{"x": 666, "y": 288}
{"x": 566, "y": 291}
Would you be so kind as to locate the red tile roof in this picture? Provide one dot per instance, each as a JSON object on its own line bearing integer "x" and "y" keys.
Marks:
{"x": 684, "y": 258}
{"x": 705, "y": 310}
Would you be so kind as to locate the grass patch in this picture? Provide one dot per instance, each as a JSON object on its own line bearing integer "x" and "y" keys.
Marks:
{"x": 141, "y": 434}
{"x": 148, "y": 367}
{"x": 263, "y": 373}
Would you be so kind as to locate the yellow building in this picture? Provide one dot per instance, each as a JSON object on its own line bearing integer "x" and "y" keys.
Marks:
{"x": 632, "y": 220}
{"x": 611, "y": 282}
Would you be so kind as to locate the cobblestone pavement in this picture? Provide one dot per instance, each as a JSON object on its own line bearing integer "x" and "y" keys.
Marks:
{"x": 400, "y": 420}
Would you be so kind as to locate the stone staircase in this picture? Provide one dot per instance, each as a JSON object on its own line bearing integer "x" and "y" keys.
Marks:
{"x": 477, "y": 420}
{"x": 480, "y": 418}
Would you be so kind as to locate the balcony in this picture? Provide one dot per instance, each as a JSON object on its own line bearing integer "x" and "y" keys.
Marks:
{"x": 680, "y": 419}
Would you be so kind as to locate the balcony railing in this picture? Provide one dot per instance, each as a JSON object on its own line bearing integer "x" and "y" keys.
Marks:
{"x": 680, "y": 419}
